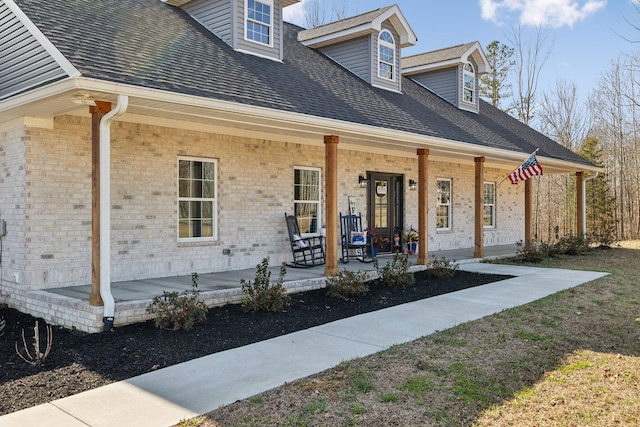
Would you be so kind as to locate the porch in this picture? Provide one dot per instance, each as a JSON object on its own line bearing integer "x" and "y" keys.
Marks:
{"x": 67, "y": 305}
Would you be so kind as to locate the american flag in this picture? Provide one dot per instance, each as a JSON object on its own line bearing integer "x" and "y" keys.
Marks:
{"x": 526, "y": 170}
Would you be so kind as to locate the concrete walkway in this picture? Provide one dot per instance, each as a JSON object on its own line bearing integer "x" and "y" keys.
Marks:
{"x": 164, "y": 397}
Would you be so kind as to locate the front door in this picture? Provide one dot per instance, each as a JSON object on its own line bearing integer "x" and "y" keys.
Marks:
{"x": 385, "y": 208}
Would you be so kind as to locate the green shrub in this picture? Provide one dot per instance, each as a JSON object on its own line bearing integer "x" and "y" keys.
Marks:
{"x": 182, "y": 310}
{"x": 261, "y": 295}
{"x": 396, "y": 272}
{"x": 442, "y": 267}
{"x": 348, "y": 284}
{"x": 574, "y": 245}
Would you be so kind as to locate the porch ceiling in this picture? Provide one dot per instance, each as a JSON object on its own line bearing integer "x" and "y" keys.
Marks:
{"x": 188, "y": 112}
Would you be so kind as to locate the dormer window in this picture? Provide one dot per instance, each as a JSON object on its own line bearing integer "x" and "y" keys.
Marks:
{"x": 259, "y": 21}
{"x": 469, "y": 77}
{"x": 386, "y": 55}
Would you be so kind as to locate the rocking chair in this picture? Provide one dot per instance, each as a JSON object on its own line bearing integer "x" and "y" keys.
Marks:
{"x": 307, "y": 249}
{"x": 354, "y": 240}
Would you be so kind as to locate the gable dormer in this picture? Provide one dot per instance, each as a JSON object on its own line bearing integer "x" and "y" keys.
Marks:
{"x": 452, "y": 73}
{"x": 250, "y": 26}
{"x": 368, "y": 44}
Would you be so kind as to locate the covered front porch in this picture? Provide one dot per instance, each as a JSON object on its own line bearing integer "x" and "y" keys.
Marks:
{"x": 133, "y": 296}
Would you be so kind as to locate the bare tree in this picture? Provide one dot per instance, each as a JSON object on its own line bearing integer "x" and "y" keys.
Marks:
{"x": 530, "y": 58}
{"x": 315, "y": 11}
{"x": 494, "y": 85}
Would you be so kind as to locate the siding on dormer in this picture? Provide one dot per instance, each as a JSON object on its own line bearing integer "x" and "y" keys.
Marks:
{"x": 379, "y": 81}
{"x": 354, "y": 55}
{"x": 275, "y": 50}
{"x": 215, "y": 15}
{"x": 443, "y": 82}
{"x": 24, "y": 62}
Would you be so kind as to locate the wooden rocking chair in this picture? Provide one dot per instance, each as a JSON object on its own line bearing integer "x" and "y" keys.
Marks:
{"x": 307, "y": 249}
{"x": 354, "y": 239}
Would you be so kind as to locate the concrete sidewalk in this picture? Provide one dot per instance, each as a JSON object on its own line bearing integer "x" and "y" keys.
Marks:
{"x": 164, "y": 397}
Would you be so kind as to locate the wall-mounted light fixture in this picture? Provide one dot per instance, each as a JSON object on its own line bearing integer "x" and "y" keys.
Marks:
{"x": 362, "y": 181}
{"x": 413, "y": 186}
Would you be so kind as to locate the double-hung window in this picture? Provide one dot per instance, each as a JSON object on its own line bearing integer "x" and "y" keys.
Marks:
{"x": 469, "y": 78}
{"x": 259, "y": 22}
{"x": 386, "y": 55}
{"x": 306, "y": 198}
{"x": 443, "y": 204}
{"x": 489, "y": 205}
{"x": 197, "y": 199}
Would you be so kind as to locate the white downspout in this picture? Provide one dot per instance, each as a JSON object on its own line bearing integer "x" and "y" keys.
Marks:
{"x": 105, "y": 209}
{"x": 584, "y": 202}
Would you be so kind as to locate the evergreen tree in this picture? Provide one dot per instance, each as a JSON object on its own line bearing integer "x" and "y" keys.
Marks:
{"x": 494, "y": 86}
{"x": 600, "y": 204}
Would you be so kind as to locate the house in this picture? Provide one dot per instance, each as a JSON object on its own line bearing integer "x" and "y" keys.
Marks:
{"x": 160, "y": 137}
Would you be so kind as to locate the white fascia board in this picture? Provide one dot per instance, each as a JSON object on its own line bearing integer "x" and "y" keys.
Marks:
{"x": 407, "y": 35}
{"x": 43, "y": 40}
{"x": 344, "y": 34}
{"x": 483, "y": 64}
{"x": 288, "y": 119}
{"x": 431, "y": 67}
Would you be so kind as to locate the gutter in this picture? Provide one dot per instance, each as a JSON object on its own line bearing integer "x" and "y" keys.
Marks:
{"x": 105, "y": 210}
{"x": 584, "y": 201}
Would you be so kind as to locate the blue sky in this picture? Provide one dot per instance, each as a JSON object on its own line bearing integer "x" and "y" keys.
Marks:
{"x": 586, "y": 34}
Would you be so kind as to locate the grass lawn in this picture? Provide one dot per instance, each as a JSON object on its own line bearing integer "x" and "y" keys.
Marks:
{"x": 571, "y": 359}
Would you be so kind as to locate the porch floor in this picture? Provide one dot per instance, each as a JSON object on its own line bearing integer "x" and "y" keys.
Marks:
{"x": 146, "y": 289}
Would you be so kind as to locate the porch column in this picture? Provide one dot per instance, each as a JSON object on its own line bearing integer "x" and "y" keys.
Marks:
{"x": 331, "y": 194}
{"x": 580, "y": 205}
{"x": 478, "y": 249}
{"x": 528, "y": 210}
{"x": 97, "y": 112}
{"x": 423, "y": 205}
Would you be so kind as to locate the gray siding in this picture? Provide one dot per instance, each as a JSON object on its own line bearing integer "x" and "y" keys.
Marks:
{"x": 354, "y": 55}
{"x": 442, "y": 82}
{"x": 273, "y": 51}
{"x": 24, "y": 63}
{"x": 215, "y": 15}
{"x": 379, "y": 81}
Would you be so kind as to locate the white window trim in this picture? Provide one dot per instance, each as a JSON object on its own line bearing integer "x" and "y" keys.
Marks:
{"x": 246, "y": 20}
{"x": 319, "y": 201}
{"x": 214, "y": 200}
{"x": 392, "y": 46}
{"x": 484, "y": 203}
{"x": 450, "y": 204}
{"x": 471, "y": 74}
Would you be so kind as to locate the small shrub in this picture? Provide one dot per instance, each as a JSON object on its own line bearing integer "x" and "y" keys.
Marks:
{"x": 39, "y": 353}
{"x": 396, "y": 272}
{"x": 531, "y": 252}
{"x": 348, "y": 284}
{"x": 442, "y": 267}
{"x": 182, "y": 310}
{"x": 574, "y": 245}
{"x": 261, "y": 295}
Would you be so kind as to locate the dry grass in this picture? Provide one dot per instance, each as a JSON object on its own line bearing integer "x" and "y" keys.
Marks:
{"x": 571, "y": 359}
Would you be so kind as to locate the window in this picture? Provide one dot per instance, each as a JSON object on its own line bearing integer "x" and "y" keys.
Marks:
{"x": 197, "y": 201}
{"x": 469, "y": 77}
{"x": 386, "y": 55}
{"x": 258, "y": 22}
{"x": 306, "y": 198}
{"x": 443, "y": 204}
{"x": 489, "y": 205}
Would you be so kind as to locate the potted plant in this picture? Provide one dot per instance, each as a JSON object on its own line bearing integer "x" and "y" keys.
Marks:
{"x": 411, "y": 237}
{"x": 378, "y": 241}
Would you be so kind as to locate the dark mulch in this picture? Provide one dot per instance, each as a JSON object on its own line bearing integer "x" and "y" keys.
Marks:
{"x": 80, "y": 361}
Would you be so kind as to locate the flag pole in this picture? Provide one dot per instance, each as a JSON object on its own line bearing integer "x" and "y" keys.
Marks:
{"x": 520, "y": 165}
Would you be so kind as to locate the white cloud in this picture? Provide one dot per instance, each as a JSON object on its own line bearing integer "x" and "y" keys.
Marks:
{"x": 547, "y": 13}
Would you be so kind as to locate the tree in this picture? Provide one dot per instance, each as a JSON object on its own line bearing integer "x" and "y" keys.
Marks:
{"x": 315, "y": 11}
{"x": 530, "y": 58}
{"x": 494, "y": 86}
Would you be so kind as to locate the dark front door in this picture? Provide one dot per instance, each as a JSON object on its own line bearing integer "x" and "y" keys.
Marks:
{"x": 385, "y": 209}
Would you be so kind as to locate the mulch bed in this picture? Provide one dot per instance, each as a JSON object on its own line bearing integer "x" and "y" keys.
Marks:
{"x": 80, "y": 361}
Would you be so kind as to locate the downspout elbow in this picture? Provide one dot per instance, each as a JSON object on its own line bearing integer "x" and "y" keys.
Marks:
{"x": 105, "y": 210}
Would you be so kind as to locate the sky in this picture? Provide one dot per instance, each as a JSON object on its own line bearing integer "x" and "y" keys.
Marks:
{"x": 585, "y": 36}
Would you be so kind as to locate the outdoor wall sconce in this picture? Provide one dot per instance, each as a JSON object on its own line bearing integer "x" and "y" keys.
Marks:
{"x": 413, "y": 186}
{"x": 362, "y": 181}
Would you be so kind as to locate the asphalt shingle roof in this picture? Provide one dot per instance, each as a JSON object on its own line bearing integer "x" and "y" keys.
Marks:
{"x": 150, "y": 44}
{"x": 436, "y": 56}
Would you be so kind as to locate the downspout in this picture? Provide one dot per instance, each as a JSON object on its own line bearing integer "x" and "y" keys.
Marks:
{"x": 584, "y": 201}
{"x": 105, "y": 210}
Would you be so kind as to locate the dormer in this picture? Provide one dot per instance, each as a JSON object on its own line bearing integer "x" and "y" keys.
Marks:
{"x": 452, "y": 73}
{"x": 250, "y": 26}
{"x": 368, "y": 45}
